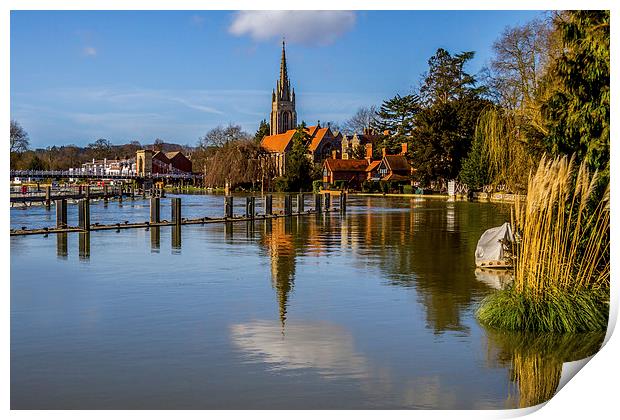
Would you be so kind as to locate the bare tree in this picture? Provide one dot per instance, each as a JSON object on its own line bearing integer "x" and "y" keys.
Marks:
{"x": 521, "y": 58}
{"x": 221, "y": 136}
{"x": 363, "y": 118}
{"x": 158, "y": 145}
{"x": 19, "y": 138}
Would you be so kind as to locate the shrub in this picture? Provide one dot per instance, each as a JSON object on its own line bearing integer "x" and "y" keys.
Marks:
{"x": 316, "y": 186}
{"x": 407, "y": 189}
{"x": 281, "y": 184}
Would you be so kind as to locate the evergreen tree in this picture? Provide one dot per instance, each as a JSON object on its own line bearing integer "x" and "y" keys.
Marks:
{"x": 263, "y": 130}
{"x": 475, "y": 169}
{"x": 36, "y": 164}
{"x": 444, "y": 129}
{"x": 446, "y": 79}
{"x": 298, "y": 165}
{"x": 577, "y": 113}
{"x": 397, "y": 116}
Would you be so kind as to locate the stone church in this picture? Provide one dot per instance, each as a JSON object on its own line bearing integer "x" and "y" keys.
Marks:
{"x": 283, "y": 124}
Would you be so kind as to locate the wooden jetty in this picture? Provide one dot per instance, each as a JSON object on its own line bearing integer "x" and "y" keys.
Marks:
{"x": 322, "y": 204}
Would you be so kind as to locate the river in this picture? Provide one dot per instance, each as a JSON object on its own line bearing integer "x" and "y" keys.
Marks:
{"x": 372, "y": 309}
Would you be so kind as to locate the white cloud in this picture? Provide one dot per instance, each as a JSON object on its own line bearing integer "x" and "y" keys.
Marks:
{"x": 313, "y": 27}
{"x": 90, "y": 51}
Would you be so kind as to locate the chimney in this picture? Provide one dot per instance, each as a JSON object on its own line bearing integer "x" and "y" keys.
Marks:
{"x": 368, "y": 152}
{"x": 383, "y": 152}
{"x": 334, "y": 154}
{"x": 403, "y": 150}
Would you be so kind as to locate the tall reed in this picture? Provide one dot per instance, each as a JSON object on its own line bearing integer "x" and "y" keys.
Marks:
{"x": 564, "y": 244}
{"x": 561, "y": 278}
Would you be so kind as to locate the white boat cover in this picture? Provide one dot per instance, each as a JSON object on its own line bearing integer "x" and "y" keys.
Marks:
{"x": 489, "y": 251}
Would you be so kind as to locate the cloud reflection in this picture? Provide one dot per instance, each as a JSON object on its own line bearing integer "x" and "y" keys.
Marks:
{"x": 319, "y": 345}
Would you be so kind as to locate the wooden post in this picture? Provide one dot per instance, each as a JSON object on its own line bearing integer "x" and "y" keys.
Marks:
{"x": 88, "y": 192}
{"x": 327, "y": 200}
{"x": 300, "y": 203}
{"x": 288, "y": 205}
{"x": 120, "y": 193}
{"x": 318, "y": 203}
{"x": 155, "y": 210}
{"x": 268, "y": 205}
{"x": 343, "y": 201}
{"x": 228, "y": 207}
{"x": 84, "y": 214}
{"x": 176, "y": 210}
{"x": 48, "y": 196}
{"x": 250, "y": 207}
{"x": 61, "y": 213}
{"x": 105, "y": 193}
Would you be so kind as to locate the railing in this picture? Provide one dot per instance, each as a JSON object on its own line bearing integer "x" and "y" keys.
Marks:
{"x": 69, "y": 174}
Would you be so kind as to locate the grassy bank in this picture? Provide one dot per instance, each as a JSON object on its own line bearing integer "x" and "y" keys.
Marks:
{"x": 561, "y": 279}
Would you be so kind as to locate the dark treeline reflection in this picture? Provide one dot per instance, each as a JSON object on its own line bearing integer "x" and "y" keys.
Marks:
{"x": 535, "y": 361}
{"x": 427, "y": 245}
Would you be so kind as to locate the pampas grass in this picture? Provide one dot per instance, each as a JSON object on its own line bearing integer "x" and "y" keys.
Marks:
{"x": 561, "y": 278}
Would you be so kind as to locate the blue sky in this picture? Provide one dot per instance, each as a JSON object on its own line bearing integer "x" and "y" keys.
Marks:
{"x": 79, "y": 76}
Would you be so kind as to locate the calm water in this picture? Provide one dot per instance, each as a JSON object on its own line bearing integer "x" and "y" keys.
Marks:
{"x": 371, "y": 310}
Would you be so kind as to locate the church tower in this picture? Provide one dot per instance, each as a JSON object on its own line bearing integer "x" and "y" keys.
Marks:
{"x": 283, "y": 114}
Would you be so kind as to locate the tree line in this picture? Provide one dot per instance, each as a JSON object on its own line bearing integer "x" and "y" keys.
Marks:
{"x": 72, "y": 156}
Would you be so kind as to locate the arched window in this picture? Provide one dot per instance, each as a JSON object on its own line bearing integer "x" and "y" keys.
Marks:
{"x": 285, "y": 121}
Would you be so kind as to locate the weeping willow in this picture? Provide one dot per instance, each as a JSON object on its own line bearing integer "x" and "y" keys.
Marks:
{"x": 503, "y": 149}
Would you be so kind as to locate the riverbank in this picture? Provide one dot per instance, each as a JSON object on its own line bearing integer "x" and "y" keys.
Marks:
{"x": 477, "y": 196}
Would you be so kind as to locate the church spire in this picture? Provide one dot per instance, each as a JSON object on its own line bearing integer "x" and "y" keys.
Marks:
{"x": 283, "y": 72}
{"x": 283, "y": 115}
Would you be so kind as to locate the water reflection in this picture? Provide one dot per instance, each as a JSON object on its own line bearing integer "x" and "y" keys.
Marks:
{"x": 84, "y": 245}
{"x": 155, "y": 239}
{"x": 426, "y": 245}
{"x": 176, "y": 239}
{"x": 535, "y": 361}
{"x": 322, "y": 346}
{"x": 61, "y": 246}
{"x": 279, "y": 243}
{"x": 496, "y": 279}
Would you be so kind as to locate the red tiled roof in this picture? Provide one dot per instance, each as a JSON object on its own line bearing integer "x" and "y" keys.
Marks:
{"x": 316, "y": 140}
{"x": 171, "y": 155}
{"x": 397, "y": 163}
{"x": 161, "y": 157}
{"x": 373, "y": 165}
{"x": 346, "y": 165}
{"x": 311, "y": 130}
{"x": 277, "y": 142}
